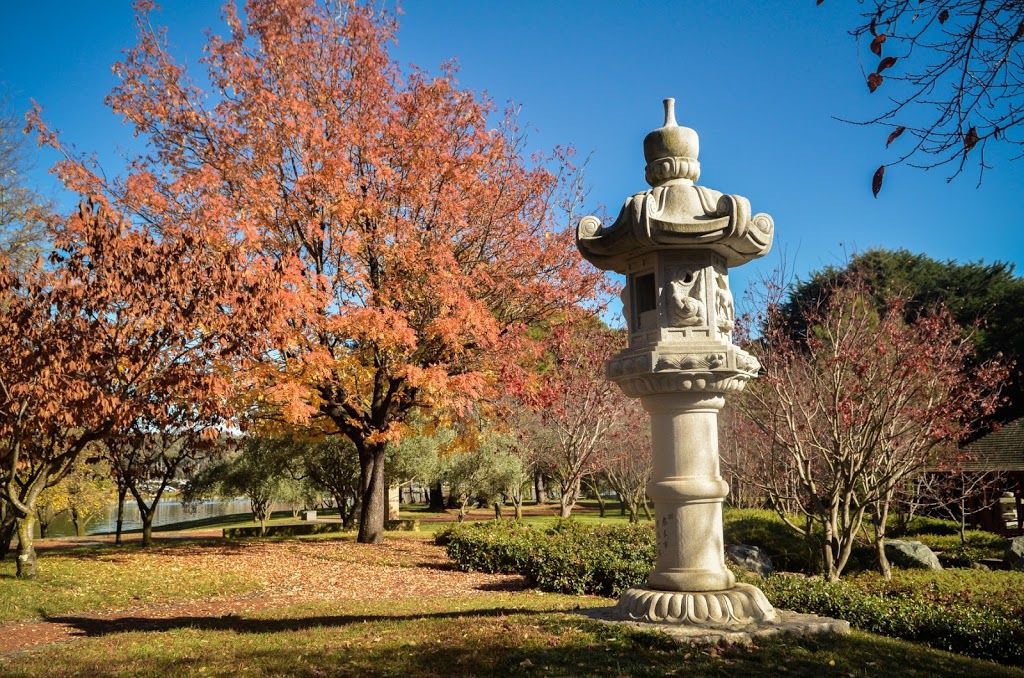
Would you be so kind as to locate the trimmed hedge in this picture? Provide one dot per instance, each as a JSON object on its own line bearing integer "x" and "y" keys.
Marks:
{"x": 291, "y": 530}
{"x": 966, "y": 629}
{"x": 604, "y": 560}
{"x": 566, "y": 558}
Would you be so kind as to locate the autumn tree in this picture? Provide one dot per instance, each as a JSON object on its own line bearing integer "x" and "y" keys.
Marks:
{"x": 854, "y": 407}
{"x": 125, "y": 320}
{"x": 571, "y": 405}
{"x": 954, "y": 75}
{"x": 420, "y": 239}
{"x": 627, "y": 459}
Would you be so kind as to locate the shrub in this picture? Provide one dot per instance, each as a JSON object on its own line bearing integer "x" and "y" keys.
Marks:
{"x": 901, "y": 612}
{"x": 566, "y": 558}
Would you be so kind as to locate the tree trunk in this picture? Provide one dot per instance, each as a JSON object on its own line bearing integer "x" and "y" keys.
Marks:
{"x": 595, "y": 487}
{"x": 519, "y": 508}
{"x": 7, "y": 528}
{"x": 26, "y": 568}
{"x": 622, "y": 504}
{"x": 647, "y": 509}
{"x": 497, "y": 510}
{"x": 79, "y": 524}
{"x": 374, "y": 504}
{"x": 538, "y": 488}
{"x": 884, "y": 568}
{"x": 121, "y": 493}
{"x": 436, "y": 497}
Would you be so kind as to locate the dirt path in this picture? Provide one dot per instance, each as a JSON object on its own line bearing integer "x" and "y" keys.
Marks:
{"x": 289, "y": 572}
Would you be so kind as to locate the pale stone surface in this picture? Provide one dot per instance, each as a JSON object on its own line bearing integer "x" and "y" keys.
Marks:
{"x": 785, "y": 623}
{"x": 750, "y": 558}
{"x": 1014, "y": 556}
{"x": 737, "y": 605}
{"x": 911, "y": 554}
{"x": 675, "y": 243}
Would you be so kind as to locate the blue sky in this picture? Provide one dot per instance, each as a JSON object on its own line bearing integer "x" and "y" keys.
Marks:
{"x": 760, "y": 82}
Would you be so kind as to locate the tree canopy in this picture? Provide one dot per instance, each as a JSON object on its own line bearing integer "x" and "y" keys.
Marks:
{"x": 986, "y": 298}
{"x": 415, "y": 239}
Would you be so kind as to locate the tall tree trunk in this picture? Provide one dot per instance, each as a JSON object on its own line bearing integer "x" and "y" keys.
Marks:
{"x": 436, "y": 497}
{"x": 622, "y": 504}
{"x": 497, "y": 510}
{"x": 519, "y": 508}
{"x": 374, "y": 504}
{"x": 26, "y": 568}
{"x": 539, "y": 488}
{"x": 78, "y": 523}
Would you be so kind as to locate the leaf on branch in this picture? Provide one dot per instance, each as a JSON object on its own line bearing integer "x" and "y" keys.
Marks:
{"x": 943, "y": 16}
{"x": 876, "y": 44}
{"x": 876, "y": 181}
{"x": 874, "y": 81}
{"x": 887, "y": 62}
{"x": 894, "y": 135}
{"x": 970, "y": 139}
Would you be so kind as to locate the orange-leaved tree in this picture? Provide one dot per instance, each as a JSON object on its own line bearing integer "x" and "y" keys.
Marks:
{"x": 425, "y": 241}
{"x": 123, "y": 323}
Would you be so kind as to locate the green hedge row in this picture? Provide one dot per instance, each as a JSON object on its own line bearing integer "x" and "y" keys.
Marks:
{"x": 290, "y": 530}
{"x": 566, "y": 558}
{"x": 604, "y": 560}
{"x": 965, "y": 629}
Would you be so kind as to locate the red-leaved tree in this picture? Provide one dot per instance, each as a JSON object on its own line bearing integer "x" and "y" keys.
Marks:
{"x": 856, "y": 406}
{"x": 568, "y": 406}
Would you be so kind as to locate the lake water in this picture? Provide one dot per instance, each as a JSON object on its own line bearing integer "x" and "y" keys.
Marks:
{"x": 169, "y": 510}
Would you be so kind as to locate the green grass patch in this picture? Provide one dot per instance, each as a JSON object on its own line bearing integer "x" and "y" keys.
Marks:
{"x": 523, "y": 634}
{"x": 103, "y": 578}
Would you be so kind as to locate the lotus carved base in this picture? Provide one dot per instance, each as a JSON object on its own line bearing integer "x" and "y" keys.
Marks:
{"x": 742, "y": 604}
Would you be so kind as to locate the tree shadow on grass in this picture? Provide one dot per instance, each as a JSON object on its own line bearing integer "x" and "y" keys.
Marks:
{"x": 92, "y": 626}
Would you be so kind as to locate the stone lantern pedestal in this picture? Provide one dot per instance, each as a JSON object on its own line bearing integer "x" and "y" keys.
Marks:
{"x": 675, "y": 243}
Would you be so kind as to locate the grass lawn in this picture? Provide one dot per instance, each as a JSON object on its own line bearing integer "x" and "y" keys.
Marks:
{"x": 522, "y": 633}
{"x": 395, "y": 609}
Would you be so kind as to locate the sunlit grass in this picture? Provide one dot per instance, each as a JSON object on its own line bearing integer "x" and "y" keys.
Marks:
{"x": 498, "y": 634}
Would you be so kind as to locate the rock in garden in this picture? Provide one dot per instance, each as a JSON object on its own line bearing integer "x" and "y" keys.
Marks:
{"x": 750, "y": 558}
{"x": 1014, "y": 556}
{"x": 911, "y": 554}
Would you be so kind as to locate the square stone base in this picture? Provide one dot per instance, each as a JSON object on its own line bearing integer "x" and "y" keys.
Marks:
{"x": 785, "y": 623}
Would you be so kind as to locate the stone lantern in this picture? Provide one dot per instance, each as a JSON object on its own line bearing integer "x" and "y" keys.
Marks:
{"x": 675, "y": 243}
